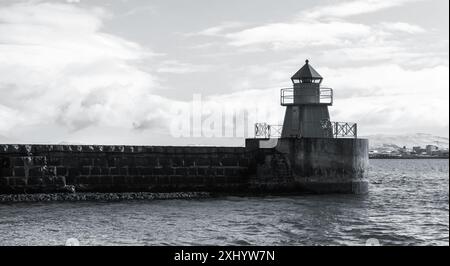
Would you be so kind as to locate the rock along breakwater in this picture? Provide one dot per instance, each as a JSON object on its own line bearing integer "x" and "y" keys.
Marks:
{"x": 47, "y": 197}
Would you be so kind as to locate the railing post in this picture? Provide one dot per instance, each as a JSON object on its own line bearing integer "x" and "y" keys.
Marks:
{"x": 335, "y": 129}
{"x": 331, "y": 96}
{"x": 281, "y": 96}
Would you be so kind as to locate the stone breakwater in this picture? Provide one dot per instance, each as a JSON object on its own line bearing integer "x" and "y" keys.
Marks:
{"x": 48, "y": 197}
{"x": 305, "y": 165}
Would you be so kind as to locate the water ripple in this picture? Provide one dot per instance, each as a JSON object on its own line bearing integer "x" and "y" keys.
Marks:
{"x": 407, "y": 205}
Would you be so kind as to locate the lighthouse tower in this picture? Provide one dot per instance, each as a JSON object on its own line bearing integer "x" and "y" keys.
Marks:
{"x": 307, "y": 104}
{"x": 311, "y": 154}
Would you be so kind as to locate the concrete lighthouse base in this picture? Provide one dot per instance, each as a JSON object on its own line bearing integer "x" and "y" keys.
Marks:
{"x": 312, "y": 165}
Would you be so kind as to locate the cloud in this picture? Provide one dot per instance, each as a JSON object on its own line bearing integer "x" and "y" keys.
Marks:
{"x": 177, "y": 67}
{"x": 217, "y": 30}
{"x": 59, "y": 67}
{"x": 328, "y": 35}
{"x": 138, "y": 10}
{"x": 64, "y": 77}
{"x": 351, "y": 8}
{"x": 383, "y": 98}
{"x": 388, "y": 98}
{"x": 327, "y": 28}
{"x": 301, "y": 34}
{"x": 402, "y": 27}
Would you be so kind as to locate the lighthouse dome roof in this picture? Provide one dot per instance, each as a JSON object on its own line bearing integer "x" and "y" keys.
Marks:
{"x": 306, "y": 72}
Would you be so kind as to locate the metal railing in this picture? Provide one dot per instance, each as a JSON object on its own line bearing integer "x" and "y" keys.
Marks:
{"x": 336, "y": 129}
{"x": 341, "y": 129}
{"x": 287, "y": 96}
{"x": 266, "y": 131}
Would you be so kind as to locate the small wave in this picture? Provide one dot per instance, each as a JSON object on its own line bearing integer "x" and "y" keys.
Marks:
{"x": 241, "y": 242}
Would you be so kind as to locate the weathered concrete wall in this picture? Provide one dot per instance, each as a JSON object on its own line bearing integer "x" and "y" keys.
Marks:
{"x": 317, "y": 165}
{"x": 305, "y": 121}
{"x": 329, "y": 165}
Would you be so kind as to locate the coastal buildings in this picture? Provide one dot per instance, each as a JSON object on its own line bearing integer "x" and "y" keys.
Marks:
{"x": 394, "y": 151}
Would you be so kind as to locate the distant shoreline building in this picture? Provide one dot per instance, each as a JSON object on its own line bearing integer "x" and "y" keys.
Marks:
{"x": 417, "y": 152}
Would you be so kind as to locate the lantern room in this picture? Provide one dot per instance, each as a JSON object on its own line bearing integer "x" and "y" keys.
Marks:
{"x": 306, "y": 74}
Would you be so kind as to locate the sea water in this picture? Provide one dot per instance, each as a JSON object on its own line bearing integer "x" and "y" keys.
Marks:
{"x": 407, "y": 204}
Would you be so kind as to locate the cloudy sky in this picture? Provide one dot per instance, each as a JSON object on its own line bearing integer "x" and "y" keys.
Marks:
{"x": 115, "y": 71}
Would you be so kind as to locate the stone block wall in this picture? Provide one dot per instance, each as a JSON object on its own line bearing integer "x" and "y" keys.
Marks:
{"x": 306, "y": 165}
{"x": 53, "y": 168}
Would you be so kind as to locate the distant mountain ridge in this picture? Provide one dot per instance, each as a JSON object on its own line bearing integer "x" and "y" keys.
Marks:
{"x": 408, "y": 140}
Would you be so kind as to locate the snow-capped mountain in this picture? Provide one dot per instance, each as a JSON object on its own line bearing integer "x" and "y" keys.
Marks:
{"x": 408, "y": 140}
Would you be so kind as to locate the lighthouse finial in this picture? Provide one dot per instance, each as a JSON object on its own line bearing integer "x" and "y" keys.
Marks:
{"x": 307, "y": 61}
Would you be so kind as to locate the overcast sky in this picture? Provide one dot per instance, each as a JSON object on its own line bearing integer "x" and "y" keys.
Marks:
{"x": 111, "y": 71}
